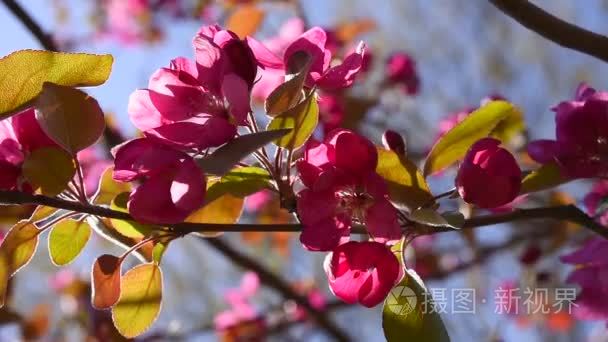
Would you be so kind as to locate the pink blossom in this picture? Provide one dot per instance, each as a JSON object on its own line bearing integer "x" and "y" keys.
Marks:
{"x": 125, "y": 19}
{"x": 591, "y": 261}
{"x": 258, "y": 201}
{"x": 581, "y": 146}
{"x": 19, "y": 135}
{"x": 401, "y": 69}
{"x": 594, "y": 201}
{"x": 342, "y": 187}
{"x": 93, "y": 166}
{"x": 489, "y": 176}
{"x": 271, "y": 77}
{"x": 313, "y": 42}
{"x": 332, "y": 111}
{"x": 241, "y": 310}
{"x": 172, "y": 186}
{"x": 198, "y": 104}
{"x": 362, "y": 272}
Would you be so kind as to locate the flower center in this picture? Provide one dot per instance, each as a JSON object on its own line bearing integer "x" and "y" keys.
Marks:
{"x": 354, "y": 201}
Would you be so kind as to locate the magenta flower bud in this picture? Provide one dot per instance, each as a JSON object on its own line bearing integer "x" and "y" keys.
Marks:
{"x": 489, "y": 176}
{"x": 362, "y": 272}
{"x": 394, "y": 142}
{"x": 401, "y": 69}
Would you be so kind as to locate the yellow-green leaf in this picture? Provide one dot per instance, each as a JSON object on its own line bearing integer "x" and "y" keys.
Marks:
{"x": 105, "y": 281}
{"x": 240, "y": 182}
{"x": 109, "y": 188}
{"x": 226, "y": 157}
{"x": 220, "y": 207}
{"x": 19, "y": 246}
{"x": 42, "y": 212}
{"x": 69, "y": 116}
{"x": 289, "y": 93}
{"x": 49, "y": 169}
{"x": 23, "y": 73}
{"x": 131, "y": 229}
{"x": 546, "y": 177}
{"x": 140, "y": 300}
{"x": 407, "y": 187}
{"x": 407, "y": 314}
{"x": 302, "y": 119}
{"x": 159, "y": 250}
{"x": 452, "y": 146}
{"x": 67, "y": 239}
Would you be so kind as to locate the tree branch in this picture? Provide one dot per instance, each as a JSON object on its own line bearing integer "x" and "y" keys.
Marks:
{"x": 278, "y": 284}
{"x": 45, "y": 39}
{"x": 569, "y": 213}
{"x": 555, "y": 29}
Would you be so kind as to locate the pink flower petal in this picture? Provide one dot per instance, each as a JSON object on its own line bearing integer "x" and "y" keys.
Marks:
{"x": 265, "y": 57}
{"x": 236, "y": 92}
{"x": 354, "y": 153}
{"x": 343, "y": 75}
{"x": 28, "y": 131}
{"x": 200, "y": 133}
{"x": 142, "y": 112}
{"x": 326, "y": 234}
{"x": 188, "y": 186}
{"x": 381, "y": 222}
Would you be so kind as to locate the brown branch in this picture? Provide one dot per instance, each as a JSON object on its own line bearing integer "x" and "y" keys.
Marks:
{"x": 278, "y": 284}
{"x": 555, "y": 29}
{"x": 565, "y": 212}
{"x": 569, "y": 213}
{"x": 45, "y": 39}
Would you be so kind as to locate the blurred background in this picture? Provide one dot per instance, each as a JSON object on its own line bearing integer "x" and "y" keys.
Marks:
{"x": 455, "y": 52}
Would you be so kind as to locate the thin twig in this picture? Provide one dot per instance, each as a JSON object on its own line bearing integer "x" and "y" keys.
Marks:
{"x": 45, "y": 39}
{"x": 555, "y": 29}
{"x": 278, "y": 284}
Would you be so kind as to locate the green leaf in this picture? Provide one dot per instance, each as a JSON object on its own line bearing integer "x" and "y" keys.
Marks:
{"x": 19, "y": 246}
{"x": 131, "y": 229}
{"x": 546, "y": 177}
{"x": 226, "y": 157}
{"x": 159, "y": 250}
{"x": 302, "y": 119}
{"x": 430, "y": 217}
{"x": 105, "y": 281}
{"x": 109, "y": 188}
{"x": 407, "y": 187}
{"x": 140, "y": 300}
{"x": 407, "y": 316}
{"x": 240, "y": 182}
{"x": 455, "y": 143}
{"x": 67, "y": 239}
{"x": 289, "y": 93}
{"x": 23, "y": 73}
{"x": 49, "y": 169}
{"x": 69, "y": 116}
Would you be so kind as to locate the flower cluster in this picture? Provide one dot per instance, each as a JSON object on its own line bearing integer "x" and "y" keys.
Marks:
{"x": 188, "y": 107}
{"x": 342, "y": 188}
{"x": 590, "y": 275}
{"x": 581, "y": 145}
